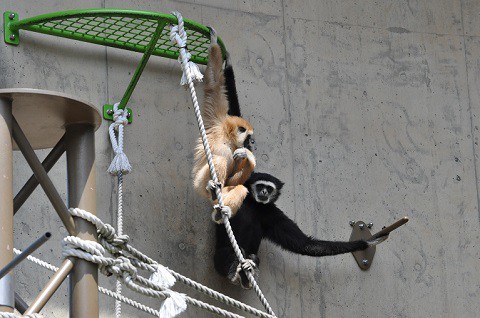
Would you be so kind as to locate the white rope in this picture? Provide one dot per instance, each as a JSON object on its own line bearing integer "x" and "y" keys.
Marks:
{"x": 101, "y": 289}
{"x": 120, "y": 161}
{"x": 179, "y": 36}
{"x": 118, "y": 283}
{"x": 13, "y": 315}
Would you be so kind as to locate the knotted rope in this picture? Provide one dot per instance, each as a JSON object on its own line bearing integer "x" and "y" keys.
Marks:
{"x": 187, "y": 72}
{"x": 120, "y": 161}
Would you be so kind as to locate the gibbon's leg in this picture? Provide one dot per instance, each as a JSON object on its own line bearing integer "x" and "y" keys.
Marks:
{"x": 252, "y": 265}
{"x": 225, "y": 262}
{"x": 244, "y": 165}
{"x": 227, "y": 265}
{"x": 202, "y": 177}
{"x": 284, "y": 232}
{"x": 233, "y": 197}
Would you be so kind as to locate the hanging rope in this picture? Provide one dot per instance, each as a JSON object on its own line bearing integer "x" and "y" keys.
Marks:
{"x": 120, "y": 161}
{"x": 179, "y": 37}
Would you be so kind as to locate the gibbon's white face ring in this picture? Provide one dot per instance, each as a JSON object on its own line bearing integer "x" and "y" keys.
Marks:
{"x": 265, "y": 184}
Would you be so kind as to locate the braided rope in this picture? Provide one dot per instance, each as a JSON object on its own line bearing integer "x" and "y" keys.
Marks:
{"x": 13, "y": 315}
{"x": 118, "y": 284}
{"x": 186, "y": 69}
{"x": 101, "y": 289}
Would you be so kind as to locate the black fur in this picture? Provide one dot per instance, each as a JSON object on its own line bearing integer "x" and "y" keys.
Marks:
{"x": 256, "y": 221}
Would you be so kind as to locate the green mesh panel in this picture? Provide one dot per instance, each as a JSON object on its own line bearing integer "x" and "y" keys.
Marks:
{"x": 125, "y": 29}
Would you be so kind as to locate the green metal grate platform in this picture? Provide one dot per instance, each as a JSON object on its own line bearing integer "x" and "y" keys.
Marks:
{"x": 125, "y": 29}
{"x": 133, "y": 30}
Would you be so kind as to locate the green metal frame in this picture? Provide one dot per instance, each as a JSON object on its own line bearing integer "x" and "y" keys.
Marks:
{"x": 133, "y": 30}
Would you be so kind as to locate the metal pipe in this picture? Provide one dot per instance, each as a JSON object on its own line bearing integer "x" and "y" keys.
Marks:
{"x": 32, "y": 183}
{"x": 29, "y": 250}
{"x": 51, "y": 287}
{"x": 20, "y": 304}
{"x": 7, "y": 300}
{"x": 83, "y": 281}
{"x": 390, "y": 228}
{"x": 42, "y": 177}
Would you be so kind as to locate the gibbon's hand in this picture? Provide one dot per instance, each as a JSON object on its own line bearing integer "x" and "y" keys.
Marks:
{"x": 373, "y": 242}
{"x": 240, "y": 153}
{"x": 217, "y": 214}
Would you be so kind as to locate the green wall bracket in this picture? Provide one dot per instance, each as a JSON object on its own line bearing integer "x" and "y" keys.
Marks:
{"x": 133, "y": 30}
{"x": 108, "y": 113}
{"x": 10, "y": 36}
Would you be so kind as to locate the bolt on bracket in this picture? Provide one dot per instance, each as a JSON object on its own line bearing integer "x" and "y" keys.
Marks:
{"x": 10, "y": 36}
{"x": 361, "y": 231}
{"x": 108, "y": 113}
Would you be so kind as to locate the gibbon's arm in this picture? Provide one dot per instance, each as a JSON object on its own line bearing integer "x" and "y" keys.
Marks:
{"x": 281, "y": 230}
{"x": 243, "y": 169}
{"x": 215, "y": 104}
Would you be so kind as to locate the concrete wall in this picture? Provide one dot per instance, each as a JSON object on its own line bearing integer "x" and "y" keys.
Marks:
{"x": 366, "y": 109}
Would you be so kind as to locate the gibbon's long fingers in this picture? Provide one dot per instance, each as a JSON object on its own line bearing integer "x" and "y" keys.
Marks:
{"x": 243, "y": 169}
{"x": 233, "y": 197}
{"x": 213, "y": 35}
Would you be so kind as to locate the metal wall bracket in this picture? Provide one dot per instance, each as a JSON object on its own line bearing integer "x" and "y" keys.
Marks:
{"x": 10, "y": 37}
{"x": 361, "y": 232}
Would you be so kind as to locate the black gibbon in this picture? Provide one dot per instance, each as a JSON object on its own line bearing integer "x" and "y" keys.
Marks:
{"x": 230, "y": 139}
{"x": 259, "y": 218}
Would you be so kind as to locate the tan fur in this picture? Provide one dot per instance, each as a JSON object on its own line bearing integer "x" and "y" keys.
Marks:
{"x": 224, "y": 139}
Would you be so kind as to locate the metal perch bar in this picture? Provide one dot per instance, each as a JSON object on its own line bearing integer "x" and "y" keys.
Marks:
{"x": 43, "y": 178}
{"x": 32, "y": 183}
{"x": 390, "y": 228}
{"x": 51, "y": 287}
{"x": 29, "y": 250}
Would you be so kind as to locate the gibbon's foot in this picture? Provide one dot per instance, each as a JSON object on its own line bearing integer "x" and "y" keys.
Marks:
{"x": 217, "y": 214}
{"x": 251, "y": 264}
{"x": 213, "y": 35}
{"x": 377, "y": 240}
{"x": 211, "y": 187}
{"x": 240, "y": 153}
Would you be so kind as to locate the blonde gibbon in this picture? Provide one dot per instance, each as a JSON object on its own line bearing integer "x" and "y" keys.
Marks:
{"x": 230, "y": 139}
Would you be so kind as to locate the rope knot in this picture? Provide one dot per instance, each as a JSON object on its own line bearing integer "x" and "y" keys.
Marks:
{"x": 178, "y": 36}
{"x": 120, "y": 117}
{"x": 120, "y": 162}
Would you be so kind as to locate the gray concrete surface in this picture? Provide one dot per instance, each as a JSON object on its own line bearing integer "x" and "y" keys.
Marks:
{"x": 368, "y": 110}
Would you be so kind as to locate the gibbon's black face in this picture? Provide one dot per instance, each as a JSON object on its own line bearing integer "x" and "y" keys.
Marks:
{"x": 247, "y": 136}
{"x": 264, "y": 187}
{"x": 249, "y": 143}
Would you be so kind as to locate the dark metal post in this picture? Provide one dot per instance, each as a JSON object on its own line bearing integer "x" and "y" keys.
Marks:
{"x": 20, "y": 304}
{"x": 29, "y": 250}
{"x": 7, "y": 299}
{"x": 83, "y": 281}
